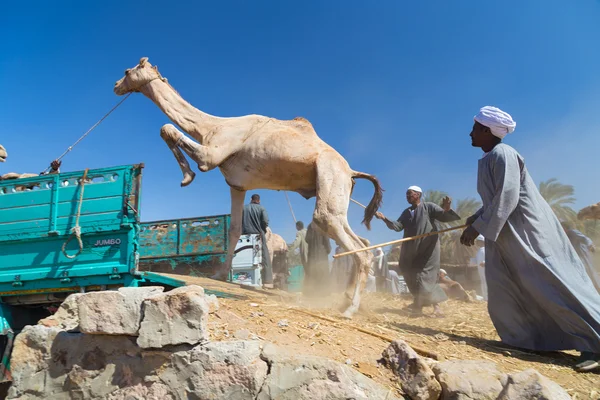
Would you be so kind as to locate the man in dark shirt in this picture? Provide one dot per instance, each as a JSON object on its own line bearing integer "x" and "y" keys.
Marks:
{"x": 255, "y": 221}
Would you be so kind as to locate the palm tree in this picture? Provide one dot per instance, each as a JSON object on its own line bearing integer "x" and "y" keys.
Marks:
{"x": 452, "y": 252}
{"x": 434, "y": 196}
{"x": 559, "y": 196}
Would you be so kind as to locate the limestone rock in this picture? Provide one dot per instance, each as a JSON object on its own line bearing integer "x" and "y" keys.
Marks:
{"x": 221, "y": 370}
{"x": 52, "y": 364}
{"x": 469, "y": 379}
{"x": 176, "y": 317}
{"x": 293, "y": 377}
{"x": 531, "y": 385}
{"x": 213, "y": 303}
{"x": 114, "y": 312}
{"x": 29, "y": 359}
{"x": 152, "y": 391}
{"x": 417, "y": 379}
{"x": 67, "y": 315}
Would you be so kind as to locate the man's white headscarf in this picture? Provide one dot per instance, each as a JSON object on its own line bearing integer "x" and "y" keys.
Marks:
{"x": 415, "y": 189}
{"x": 499, "y": 122}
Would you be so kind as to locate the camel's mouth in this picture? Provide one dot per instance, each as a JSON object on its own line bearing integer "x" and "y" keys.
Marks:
{"x": 119, "y": 90}
{"x": 2, "y": 158}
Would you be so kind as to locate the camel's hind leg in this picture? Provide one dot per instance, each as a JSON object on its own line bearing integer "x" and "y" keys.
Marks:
{"x": 333, "y": 197}
{"x": 235, "y": 230}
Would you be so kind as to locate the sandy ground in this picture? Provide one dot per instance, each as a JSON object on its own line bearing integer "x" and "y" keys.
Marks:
{"x": 466, "y": 332}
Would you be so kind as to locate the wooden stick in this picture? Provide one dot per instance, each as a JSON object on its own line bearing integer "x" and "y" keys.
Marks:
{"x": 399, "y": 241}
{"x": 354, "y": 201}
{"x": 420, "y": 351}
{"x": 290, "y": 204}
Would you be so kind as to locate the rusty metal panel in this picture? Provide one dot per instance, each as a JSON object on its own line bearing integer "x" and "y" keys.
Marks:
{"x": 184, "y": 237}
{"x": 159, "y": 239}
{"x": 200, "y": 265}
{"x": 203, "y": 235}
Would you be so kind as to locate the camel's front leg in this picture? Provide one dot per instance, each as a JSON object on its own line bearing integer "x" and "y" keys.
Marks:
{"x": 207, "y": 157}
{"x": 171, "y": 136}
{"x": 235, "y": 230}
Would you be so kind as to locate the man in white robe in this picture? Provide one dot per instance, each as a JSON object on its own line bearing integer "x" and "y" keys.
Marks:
{"x": 540, "y": 296}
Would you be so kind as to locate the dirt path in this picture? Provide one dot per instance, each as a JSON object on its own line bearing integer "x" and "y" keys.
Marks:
{"x": 465, "y": 333}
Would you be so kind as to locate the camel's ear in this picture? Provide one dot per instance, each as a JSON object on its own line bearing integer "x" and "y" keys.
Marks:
{"x": 143, "y": 61}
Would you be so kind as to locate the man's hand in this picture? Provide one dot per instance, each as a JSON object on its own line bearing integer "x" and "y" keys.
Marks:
{"x": 55, "y": 165}
{"x": 446, "y": 203}
{"x": 379, "y": 215}
{"x": 468, "y": 236}
{"x": 593, "y": 248}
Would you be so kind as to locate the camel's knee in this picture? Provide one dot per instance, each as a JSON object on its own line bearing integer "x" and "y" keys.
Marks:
{"x": 170, "y": 134}
{"x": 321, "y": 220}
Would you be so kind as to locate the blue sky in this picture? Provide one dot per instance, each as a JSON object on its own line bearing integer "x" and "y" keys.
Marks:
{"x": 392, "y": 85}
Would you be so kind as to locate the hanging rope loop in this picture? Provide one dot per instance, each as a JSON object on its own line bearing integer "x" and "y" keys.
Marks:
{"x": 76, "y": 230}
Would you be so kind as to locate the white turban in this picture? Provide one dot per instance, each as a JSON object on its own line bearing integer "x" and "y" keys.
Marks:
{"x": 415, "y": 189}
{"x": 499, "y": 122}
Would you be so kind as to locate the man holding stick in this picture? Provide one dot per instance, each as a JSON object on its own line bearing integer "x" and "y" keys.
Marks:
{"x": 540, "y": 295}
{"x": 420, "y": 258}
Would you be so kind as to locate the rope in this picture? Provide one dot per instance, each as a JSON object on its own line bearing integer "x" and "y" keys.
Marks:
{"x": 76, "y": 230}
{"x": 90, "y": 130}
{"x": 290, "y": 204}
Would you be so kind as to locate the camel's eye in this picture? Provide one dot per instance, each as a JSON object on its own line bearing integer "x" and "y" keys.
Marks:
{"x": 127, "y": 71}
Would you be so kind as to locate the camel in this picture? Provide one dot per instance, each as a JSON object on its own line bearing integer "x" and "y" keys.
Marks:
{"x": 13, "y": 175}
{"x": 275, "y": 243}
{"x": 258, "y": 152}
{"x": 589, "y": 212}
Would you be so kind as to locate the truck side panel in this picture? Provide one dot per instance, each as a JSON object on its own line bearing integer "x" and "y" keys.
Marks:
{"x": 37, "y": 216}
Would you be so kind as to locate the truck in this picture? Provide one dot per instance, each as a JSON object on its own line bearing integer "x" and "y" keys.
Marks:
{"x": 80, "y": 231}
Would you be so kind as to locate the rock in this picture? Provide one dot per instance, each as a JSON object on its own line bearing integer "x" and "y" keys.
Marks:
{"x": 221, "y": 370}
{"x": 51, "y": 364}
{"x": 113, "y": 312}
{"x": 153, "y": 391}
{"x": 417, "y": 379}
{"x": 176, "y": 317}
{"x": 531, "y": 385}
{"x": 283, "y": 323}
{"x": 29, "y": 360}
{"x": 213, "y": 303}
{"x": 67, "y": 315}
{"x": 242, "y": 334}
{"x": 294, "y": 377}
{"x": 469, "y": 379}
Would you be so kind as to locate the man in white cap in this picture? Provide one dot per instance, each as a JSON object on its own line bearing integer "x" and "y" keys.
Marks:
{"x": 420, "y": 258}
{"x": 540, "y": 296}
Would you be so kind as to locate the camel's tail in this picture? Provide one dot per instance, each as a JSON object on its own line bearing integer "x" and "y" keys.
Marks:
{"x": 375, "y": 202}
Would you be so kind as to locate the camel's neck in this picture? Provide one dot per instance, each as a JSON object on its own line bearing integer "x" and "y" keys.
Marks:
{"x": 193, "y": 121}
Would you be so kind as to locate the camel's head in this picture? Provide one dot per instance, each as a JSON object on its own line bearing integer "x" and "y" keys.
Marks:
{"x": 136, "y": 77}
{"x": 589, "y": 212}
{"x": 3, "y": 153}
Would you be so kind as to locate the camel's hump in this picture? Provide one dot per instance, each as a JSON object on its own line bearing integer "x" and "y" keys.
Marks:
{"x": 303, "y": 120}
